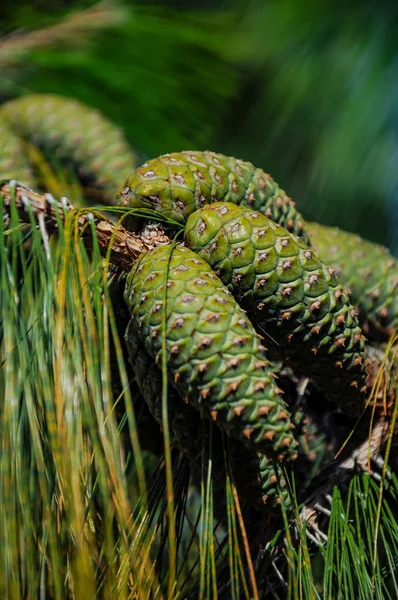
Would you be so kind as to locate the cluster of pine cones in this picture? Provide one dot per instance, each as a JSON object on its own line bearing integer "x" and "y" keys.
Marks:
{"x": 257, "y": 318}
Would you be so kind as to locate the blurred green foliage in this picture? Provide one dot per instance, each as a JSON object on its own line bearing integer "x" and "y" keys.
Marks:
{"x": 305, "y": 90}
{"x": 157, "y": 75}
{"x": 323, "y": 106}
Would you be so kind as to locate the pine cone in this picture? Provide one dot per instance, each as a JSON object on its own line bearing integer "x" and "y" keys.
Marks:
{"x": 177, "y": 184}
{"x": 259, "y": 480}
{"x": 13, "y": 161}
{"x": 213, "y": 353}
{"x": 75, "y": 135}
{"x": 289, "y": 294}
{"x": 367, "y": 269}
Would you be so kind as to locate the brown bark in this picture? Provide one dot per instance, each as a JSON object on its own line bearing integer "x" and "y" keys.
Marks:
{"x": 125, "y": 247}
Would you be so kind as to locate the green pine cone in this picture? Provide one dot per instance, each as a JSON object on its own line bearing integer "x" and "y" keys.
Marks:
{"x": 367, "y": 269}
{"x": 13, "y": 161}
{"x": 177, "y": 184}
{"x": 213, "y": 353}
{"x": 76, "y": 135}
{"x": 289, "y": 294}
{"x": 255, "y": 475}
{"x": 315, "y": 449}
{"x": 149, "y": 434}
{"x": 184, "y": 421}
{"x": 269, "y": 479}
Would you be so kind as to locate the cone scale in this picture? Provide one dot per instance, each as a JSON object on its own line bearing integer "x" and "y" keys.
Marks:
{"x": 367, "y": 269}
{"x": 177, "y": 184}
{"x": 214, "y": 357}
{"x": 291, "y": 297}
{"x": 13, "y": 162}
{"x": 259, "y": 481}
{"x": 74, "y": 135}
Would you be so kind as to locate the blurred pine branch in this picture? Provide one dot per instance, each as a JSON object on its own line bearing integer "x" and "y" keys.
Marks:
{"x": 72, "y": 30}
{"x": 163, "y": 75}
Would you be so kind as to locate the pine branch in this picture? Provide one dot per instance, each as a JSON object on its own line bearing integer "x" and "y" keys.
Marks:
{"x": 123, "y": 247}
{"x": 72, "y": 29}
{"x": 359, "y": 456}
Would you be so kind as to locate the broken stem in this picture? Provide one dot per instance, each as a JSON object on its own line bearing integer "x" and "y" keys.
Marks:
{"x": 121, "y": 246}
